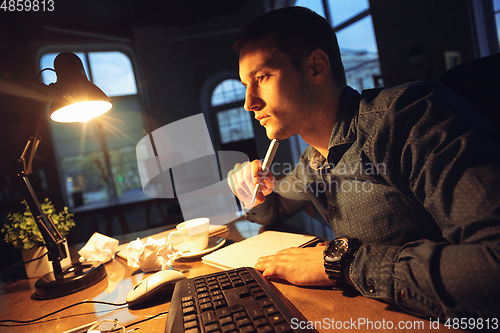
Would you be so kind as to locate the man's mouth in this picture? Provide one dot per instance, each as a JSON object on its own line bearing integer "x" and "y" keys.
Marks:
{"x": 262, "y": 119}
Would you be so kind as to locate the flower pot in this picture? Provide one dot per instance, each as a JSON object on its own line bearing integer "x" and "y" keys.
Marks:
{"x": 41, "y": 266}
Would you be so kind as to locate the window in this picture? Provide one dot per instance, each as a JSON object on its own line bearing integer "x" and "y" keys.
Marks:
{"x": 234, "y": 123}
{"x": 496, "y": 8}
{"x": 353, "y": 25}
{"x": 97, "y": 160}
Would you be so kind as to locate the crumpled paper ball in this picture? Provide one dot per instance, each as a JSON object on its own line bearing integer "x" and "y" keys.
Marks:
{"x": 152, "y": 255}
{"x": 99, "y": 248}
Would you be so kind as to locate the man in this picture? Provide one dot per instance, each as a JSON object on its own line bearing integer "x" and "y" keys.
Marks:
{"x": 405, "y": 176}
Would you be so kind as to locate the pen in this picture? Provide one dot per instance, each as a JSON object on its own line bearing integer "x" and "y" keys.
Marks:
{"x": 271, "y": 151}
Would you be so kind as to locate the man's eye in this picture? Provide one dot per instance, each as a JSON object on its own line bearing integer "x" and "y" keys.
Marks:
{"x": 262, "y": 78}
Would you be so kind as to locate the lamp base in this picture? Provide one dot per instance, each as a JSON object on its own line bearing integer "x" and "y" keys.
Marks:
{"x": 75, "y": 278}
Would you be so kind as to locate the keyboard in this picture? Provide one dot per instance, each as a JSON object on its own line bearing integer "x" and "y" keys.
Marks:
{"x": 237, "y": 300}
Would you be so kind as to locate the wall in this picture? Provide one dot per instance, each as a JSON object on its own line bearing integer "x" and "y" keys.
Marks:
{"x": 412, "y": 37}
{"x": 177, "y": 61}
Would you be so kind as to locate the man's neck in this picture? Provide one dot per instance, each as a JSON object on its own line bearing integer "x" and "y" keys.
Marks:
{"x": 319, "y": 136}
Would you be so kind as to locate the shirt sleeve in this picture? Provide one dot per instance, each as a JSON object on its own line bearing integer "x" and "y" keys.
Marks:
{"x": 436, "y": 149}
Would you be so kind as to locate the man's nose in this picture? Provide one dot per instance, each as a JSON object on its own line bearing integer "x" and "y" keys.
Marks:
{"x": 252, "y": 101}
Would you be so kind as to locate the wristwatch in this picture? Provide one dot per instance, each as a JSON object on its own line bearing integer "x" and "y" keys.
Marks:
{"x": 337, "y": 256}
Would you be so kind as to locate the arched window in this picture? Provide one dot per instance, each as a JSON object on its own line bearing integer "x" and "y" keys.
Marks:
{"x": 235, "y": 129}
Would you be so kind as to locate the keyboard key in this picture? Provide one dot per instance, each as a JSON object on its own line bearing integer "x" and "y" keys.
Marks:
{"x": 189, "y": 310}
{"x": 216, "y": 292}
{"x": 282, "y": 328}
{"x": 220, "y": 304}
{"x": 208, "y": 317}
{"x": 243, "y": 294}
{"x": 238, "y": 283}
{"x": 229, "y": 328}
{"x": 211, "y": 327}
{"x": 189, "y": 317}
{"x": 213, "y": 287}
{"x": 254, "y": 289}
{"x": 264, "y": 302}
{"x": 187, "y": 304}
{"x": 270, "y": 310}
{"x": 253, "y": 311}
{"x": 200, "y": 284}
{"x": 240, "y": 315}
{"x": 226, "y": 320}
{"x": 258, "y": 295}
{"x": 204, "y": 300}
{"x": 260, "y": 322}
{"x": 247, "y": 329}
{"x": 190, "y": 324}
{"x": 206, "y": 306}
{"x": 276, "y": 319}
{"x": 221, "y": 313}
{"x": 186, "y": 299}
{"x": 243, "y": 322}
{"x": 265, "y": 329}
{"x": 226, "y": 285}
{"x": 193, "y": 330}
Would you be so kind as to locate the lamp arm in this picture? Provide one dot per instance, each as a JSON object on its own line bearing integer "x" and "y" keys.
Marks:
{"x": 49, "y": 90}
{"x": 54, "y": 241}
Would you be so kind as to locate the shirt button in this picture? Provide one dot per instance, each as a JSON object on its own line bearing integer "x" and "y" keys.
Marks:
{"x": 371, "y": 287}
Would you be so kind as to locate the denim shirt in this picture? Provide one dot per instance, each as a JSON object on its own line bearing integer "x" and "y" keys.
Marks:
{"x": 412, "y": 175}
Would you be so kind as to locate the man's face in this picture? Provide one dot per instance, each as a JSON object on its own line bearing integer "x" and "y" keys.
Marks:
{"x": 276, "y": 91}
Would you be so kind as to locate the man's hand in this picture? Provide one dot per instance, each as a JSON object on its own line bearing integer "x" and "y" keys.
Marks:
{"x": 299, "y": 266}
{"x": 243, "y": 179}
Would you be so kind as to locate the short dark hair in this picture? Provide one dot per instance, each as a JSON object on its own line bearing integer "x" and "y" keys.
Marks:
{"x": 296, "y": 31}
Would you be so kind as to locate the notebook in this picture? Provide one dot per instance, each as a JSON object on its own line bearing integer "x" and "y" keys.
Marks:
{"x": 246, "y": 252}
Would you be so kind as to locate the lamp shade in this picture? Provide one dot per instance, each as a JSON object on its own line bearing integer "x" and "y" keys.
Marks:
{"x": 75, "y": 98}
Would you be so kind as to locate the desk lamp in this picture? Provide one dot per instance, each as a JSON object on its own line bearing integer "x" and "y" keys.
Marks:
{"x": 73, "y": 98}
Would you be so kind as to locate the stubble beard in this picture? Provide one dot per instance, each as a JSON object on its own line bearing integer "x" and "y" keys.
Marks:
{"x": 304, "y": 101}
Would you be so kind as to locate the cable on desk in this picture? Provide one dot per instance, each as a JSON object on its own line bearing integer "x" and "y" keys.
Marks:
{"x": 24, "y": 262}
{"x": 62, "y": 309}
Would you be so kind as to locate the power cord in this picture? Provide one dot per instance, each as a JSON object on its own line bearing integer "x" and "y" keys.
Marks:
{"x": 25, "y": 322}
{"x": 24, "y": 263}
{"x": 52, "y": 313}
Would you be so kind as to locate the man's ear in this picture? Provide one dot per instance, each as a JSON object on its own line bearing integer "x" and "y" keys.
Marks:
{"x": 319, "y": 65}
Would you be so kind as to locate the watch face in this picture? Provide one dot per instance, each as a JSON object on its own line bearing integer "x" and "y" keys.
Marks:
{"x": 336, "y": 250}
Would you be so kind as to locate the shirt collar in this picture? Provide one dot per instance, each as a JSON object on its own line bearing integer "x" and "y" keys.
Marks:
{"x": 344, "y": 129}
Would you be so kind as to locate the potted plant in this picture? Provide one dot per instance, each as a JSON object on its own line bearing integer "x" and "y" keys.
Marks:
{"x": 23, "y": 233}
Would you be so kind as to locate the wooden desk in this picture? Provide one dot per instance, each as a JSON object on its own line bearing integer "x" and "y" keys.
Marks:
{"x": 17, "y": 301}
